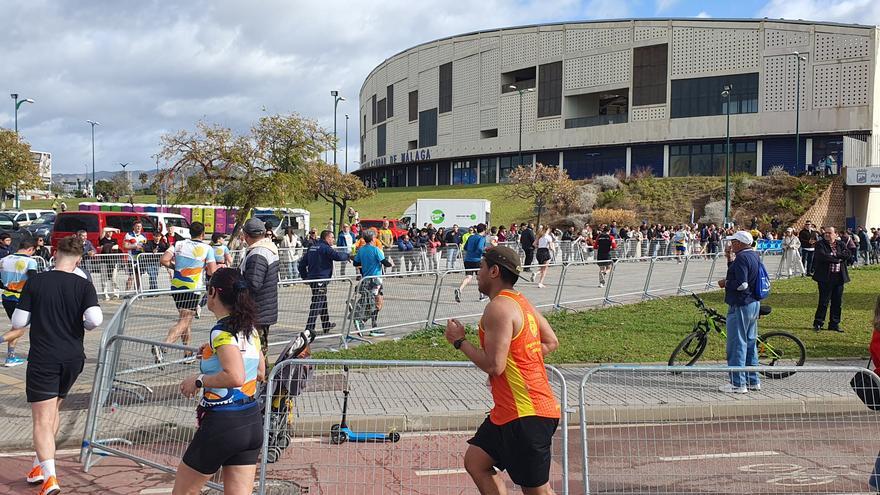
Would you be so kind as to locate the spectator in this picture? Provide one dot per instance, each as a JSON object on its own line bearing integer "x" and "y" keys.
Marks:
{"x": 345, "y": 241}
{"x": 830, "y": 273}
{"x": 260, "y": 270}
{"x": 386, "y": 236}
{"x": 405, "y": 247}
{"x": 5, "y": 245}
{"x": 791, "y": 249}
{"x": 42, "y": 250}
{"x": 527, "y": 243}
{"x": 502, "y": 234}
{"x": 316, "y": 265}
{"x": 88, "y": 247}
{"x": 350, "y": 214}
{"x": 133, "y": 244}
{"x": 739, "y": 287}
{"x": 472, "y": 254}
{"x": 433, "y": 251}
{"x": 370, "y": 260}
{"x": 754, "y": 224}
{"x": 452, "y": 240}
{"x": 774, "y": 224}
{"x": 808, "y": 237}
{"x": 864, "y": 244}
{"x": 310, "y": 240}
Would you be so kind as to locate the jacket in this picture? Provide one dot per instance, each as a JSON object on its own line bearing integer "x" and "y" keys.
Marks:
{"x": 343, "y": 237}
{"x": 260, "y": 270}
{"x": 317, "y": 262}
{"x": 404, "y": 245}
{"x": 824, "y": 258}
{"x": 527, "y": 240}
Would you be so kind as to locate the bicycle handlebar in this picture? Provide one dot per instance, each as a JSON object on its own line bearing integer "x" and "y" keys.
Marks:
{"x": 705, "y": 309}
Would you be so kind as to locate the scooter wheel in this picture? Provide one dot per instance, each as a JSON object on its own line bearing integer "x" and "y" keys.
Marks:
{"x": 394, "y": 437}
{"x": 273, "y": 455}
{"x": 337, "y": 436}
{"x": 283, "y": 441}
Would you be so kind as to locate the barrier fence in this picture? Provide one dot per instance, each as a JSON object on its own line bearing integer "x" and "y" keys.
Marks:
{"x": 646, "y": 429}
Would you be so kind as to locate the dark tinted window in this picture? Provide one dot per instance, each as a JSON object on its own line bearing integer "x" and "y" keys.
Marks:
{"x": 413, "y": 105}
{"x": 381, "y": 110}
{"x": 702, "y": 96}
{"x": 390, "y": 100}
{"x": 6, "y": 222}
{"x": 550, "y": 89}
{"x": 77, "y": 221}
{"x": 125, "y": 223}
{"x": 427, "y": 175}
{"x": 649, "y": 74}
{"x": 380, "y": 140}
{"x": 443, "y": 174}
{"x": 446, "y": 88}
{"x": 428, "y": 128}
{"x": 373, "y": 105}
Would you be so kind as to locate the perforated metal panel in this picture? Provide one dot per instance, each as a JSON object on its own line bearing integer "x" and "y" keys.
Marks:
{"x": 429, "y": 88}
{"x": 579, "y": 40}
{"x": 490, "y": 78}
{"x": 776, "y": 38}
{"x": 399, "y": 129}
{"x": 544, "y": 125}
{"x": 854, "y": 84}
{"x": 466, "y": 80}
{"x": 598, "y": 70}
{"x": 645, "y": 33}
{"x": 519, "y": 50}
{"x": 701, "y": 50}
{"x": 841, "y": 46}
{"x": 552, "y": 44}
{"x": 652, "y": 112}
{"x": 413, "y": 64}
{"x": 826, "y": 86}
{"x": 444, "y": 130}
{"x": 370, "y": 144}
{"x": 780, "y": 83}
{"x": 488, "y": 118}
{"x": 444, "y": 52}
{"x": 428, "y": 58}
{"x": 398, "y": 70}
{"x": 490, "y": 43}
{"x": 467, "y": 47}
{"x": 508, "y": 118}
{"x": 466, "y": 123}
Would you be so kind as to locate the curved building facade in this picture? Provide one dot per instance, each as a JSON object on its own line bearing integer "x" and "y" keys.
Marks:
{"x": 631, "y": 95}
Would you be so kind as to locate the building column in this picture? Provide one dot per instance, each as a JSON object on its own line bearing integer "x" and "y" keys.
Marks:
{"x": 629, "y": 160}
{"x": 437, "y": 174}
{"x": 759, "y": 153}
{"x": 808, "y": 155}
{"x": 665, "y": 160}
{"x": 497, "y": 160}
{"x": 561, "y": 158}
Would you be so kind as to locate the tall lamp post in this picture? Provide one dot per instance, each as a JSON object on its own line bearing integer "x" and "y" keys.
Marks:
{"x": 346, "y": 143}
{"x": 127, "y": 182}
{"x": 797, "y": 113}
{"x": 726, "y": 94}
{"x": 520, "y": 91}
{"x": 336, "y": 100}
{"x": 93, "y": 124}
{"x": 18, "y": 104}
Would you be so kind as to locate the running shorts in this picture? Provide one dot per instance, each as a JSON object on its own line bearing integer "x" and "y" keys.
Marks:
{"x": 471, "y": 267}
{"x": 9, "y": 305}
{"x": 226, "y": 438}
{"x": 44, "y": 381}
{"x": 186, "y": 300}
{"x": 521, "y": 447}
{"x": 543, "y": 255}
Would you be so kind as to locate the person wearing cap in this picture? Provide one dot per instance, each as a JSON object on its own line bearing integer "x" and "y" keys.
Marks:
{"x": 830, "y": 272}
{"x": 260, "y": 270}
{"x": 742, "y": 311}
{"x": 791, "y": 252}
{"x": 370, "y": 260}
{"x": 517, "y": 435}
{"x": 316, "y": 265}
{"x": 808, "y": 237}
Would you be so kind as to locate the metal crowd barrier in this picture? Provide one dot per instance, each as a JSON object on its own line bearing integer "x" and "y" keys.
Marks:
{"x": 302, "y": 300}
{"x": 113, "y": 275}
{"x": 660, "y": 430}
{"x": 407, "y": 301}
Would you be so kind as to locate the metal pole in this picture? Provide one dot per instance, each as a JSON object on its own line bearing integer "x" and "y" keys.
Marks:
{"x": 520, "y": 127}
{"x": 346, "y": 143}
{"x": 335, "y": 104}
{"x": 15, "y": 201}
{"x": 797, "y": 118}
{"x": 93, "y": 157}
{"x": 727, "y": 164}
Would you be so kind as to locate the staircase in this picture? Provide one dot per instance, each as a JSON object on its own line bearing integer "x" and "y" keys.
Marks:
{"x": 830, "y": 208}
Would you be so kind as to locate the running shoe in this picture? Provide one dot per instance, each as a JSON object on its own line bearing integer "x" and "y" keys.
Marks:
{"x": 12, "y": 361}
{"x": 329, "y": 327}
{"x": 754, "y": 387}
{"x": 458, "y": 295}
{"x": 36, "y": 475}
{"x": 729, "y": 388}
{"x": 157, "y": 354}
{"x": 534, "y": 276}
{"x": 377, "y": 333}
{"x": 198, "y": 312}
{"x": 50, "y": 486}
{"x": 483, "y": 297}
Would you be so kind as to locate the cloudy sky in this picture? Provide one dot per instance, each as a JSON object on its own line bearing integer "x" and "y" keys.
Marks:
{"x": 146, "y": 68}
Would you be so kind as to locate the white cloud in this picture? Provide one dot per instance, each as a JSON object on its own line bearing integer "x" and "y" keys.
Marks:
{"x": 704, "y": 15}
{"x": 664, "y": 5}
{"x": 845, "y": 11}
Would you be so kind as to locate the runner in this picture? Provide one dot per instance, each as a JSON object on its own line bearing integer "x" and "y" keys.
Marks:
{"x": 57, "y": 305}
{"x": 603, "y": 245}
{"x": 473, "y": 250}
{"x": 189, "y": 258}
{"x": 230, "y": 433}
{"x": 15, "y": 270}
{"x": 370, "y": 260}
{"x": 133, "y": 244}
{"x": 222, "y": 258}
{"x": 518, "y": 433}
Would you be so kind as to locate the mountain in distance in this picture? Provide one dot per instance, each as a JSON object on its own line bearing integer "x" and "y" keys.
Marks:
{"x": 103, "y": 175}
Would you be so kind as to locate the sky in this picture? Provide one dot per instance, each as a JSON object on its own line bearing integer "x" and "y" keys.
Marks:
{"x": 147, "y": 68}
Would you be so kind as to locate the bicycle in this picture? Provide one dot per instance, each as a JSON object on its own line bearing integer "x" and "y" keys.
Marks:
{"x": 774, "y": 348}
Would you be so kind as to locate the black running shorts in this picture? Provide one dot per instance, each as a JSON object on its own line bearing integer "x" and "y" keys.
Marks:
{"x": 9, "y": 305}
{"x": 543, "y": 255}
{"x": 186, "y": 300}
{"x": 226, "y": 438}
{"x": 471, "y": 267}
{"x": 521, "y": 447}
{"x": 44, "y": 381}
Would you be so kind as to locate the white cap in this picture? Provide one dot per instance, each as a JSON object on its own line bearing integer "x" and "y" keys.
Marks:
{"x": 742, "y": 236}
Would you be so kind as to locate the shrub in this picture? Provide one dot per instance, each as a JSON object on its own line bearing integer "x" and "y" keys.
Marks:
{"x": 803, "y": 190}
{"x": 777, "y": 171}
{"x": 740, "y": 183}
{"x": 714, "y": 213}
{"x": 642, "y": 173}
{"x": 577, "y": 219}
{"x": 607, "y": 182}
{"x": 588, "y": 194}
{"x": 607, "y": 215}
{"x": 790, "y": 205}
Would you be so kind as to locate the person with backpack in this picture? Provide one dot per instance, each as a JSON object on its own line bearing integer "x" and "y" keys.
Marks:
{"x": 744, "y": 286}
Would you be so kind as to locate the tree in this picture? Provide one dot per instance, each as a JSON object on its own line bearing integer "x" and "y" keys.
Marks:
{"x": 267, "y": 165}
{"x": 105, "y": 188}
{"x": 325, "y": 181}
{"x": 546, "y": 187}
{"x": 16, "y": 165}
{"x": 143, "y": 178}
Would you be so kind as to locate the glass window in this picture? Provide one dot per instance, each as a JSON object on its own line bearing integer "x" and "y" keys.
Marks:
{"x": 710, "y": 159}
{"x": 443, "y": 174}
{"x": 380, "y": 140}
{"x": 413, "y": 105}
{"x": 488, "y": 167}
{"x": 390, "y": 101}
{"x": 427, "y": 175}
{"x": 446, "y": 88}
{"x": 428, "y": 128}
{"x": 381, "y": 109}
{"x": 505, "y": 166}
{"x": 373, "y": 105}
{"x": 702, "y": 96}
{"x": 679, "y": 166}
{"x": 72, "y": 222}
{"x": 550, "y": 89}
{"x": 649, "y": 74}
{"x": 464, "y": 172}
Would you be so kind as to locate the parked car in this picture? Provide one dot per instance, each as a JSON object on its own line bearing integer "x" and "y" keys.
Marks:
{"x": 25, "y": 217}
{"x": 393, "y": 225}
{"x": 9, "y": 226}
{"x": 42, "y": 227}
{"x": 165, "y": 220}
{"x": 94, "y": 222}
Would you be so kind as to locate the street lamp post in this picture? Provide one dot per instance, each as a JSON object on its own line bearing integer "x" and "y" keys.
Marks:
{"x": 520, "y": 91}
{"x": 346, "y": 143}
{"x": 18, "y": 105}
{"x": 127, "y": 182}
{"x": 797, "y": 113}
{"x": 726, "y": 94}
{"x": 336, "y": 100}
{"x": 93, "y": 124}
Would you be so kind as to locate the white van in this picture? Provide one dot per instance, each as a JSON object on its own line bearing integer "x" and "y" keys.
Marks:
{"x": 25, "y": 217}
{"x": 180, "y": 224}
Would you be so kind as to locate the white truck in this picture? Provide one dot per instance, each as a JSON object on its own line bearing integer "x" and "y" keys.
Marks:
{"x": 447, "y": 212}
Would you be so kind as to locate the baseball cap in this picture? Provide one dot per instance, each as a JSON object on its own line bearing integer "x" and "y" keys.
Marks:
{"x": 506, "y": 258}
{"x": 741, "y": 236}
{"x": 254, "y": 227}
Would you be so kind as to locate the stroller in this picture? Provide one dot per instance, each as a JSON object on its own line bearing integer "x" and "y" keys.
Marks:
{"x": 289, "y": 383}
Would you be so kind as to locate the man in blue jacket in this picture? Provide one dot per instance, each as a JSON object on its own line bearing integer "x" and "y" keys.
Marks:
{"x": 317, "y": 264}
{"x": 742, "y": 313}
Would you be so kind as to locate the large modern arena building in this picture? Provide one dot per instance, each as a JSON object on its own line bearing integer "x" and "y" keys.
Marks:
{"x": 629, "y": 95}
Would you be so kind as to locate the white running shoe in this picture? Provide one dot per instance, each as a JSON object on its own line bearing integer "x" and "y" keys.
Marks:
{"x": 729, "y": 388}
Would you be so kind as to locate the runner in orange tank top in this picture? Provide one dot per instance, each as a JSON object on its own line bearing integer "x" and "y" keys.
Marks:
{"x": 514, "y": 338}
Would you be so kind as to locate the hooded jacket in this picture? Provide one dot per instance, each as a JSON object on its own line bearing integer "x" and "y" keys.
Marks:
{"x": 260, "y": 270}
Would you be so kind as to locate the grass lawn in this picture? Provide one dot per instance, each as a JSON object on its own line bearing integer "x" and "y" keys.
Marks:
{"x": 649, "y": 331}
{"x": 73, "y": 203}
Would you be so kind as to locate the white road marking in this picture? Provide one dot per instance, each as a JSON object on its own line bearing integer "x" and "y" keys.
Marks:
{"x": 440, "y": 472}
{"x": 32, "y": 454}
{"x": 719, "y": 456}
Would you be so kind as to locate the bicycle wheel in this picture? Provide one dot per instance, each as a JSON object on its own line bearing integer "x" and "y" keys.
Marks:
{"x": 689, "y": 350}
{"x": 780, "y": 349}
